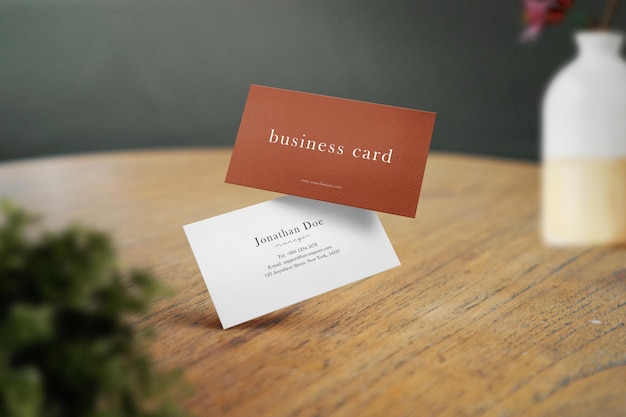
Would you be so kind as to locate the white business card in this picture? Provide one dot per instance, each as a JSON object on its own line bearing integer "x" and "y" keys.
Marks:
{"x": 268, "y": 256}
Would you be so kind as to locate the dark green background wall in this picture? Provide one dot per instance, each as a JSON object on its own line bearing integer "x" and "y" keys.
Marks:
{"x": 88, "y": 75}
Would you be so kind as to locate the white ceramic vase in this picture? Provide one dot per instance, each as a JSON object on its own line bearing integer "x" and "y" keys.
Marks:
{"x": 584, "y": 146}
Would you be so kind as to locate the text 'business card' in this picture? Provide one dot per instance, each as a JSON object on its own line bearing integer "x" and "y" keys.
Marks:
{"x": 331, "y": 149}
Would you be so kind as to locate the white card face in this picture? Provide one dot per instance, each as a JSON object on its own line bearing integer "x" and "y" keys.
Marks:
{"x": 268, "y": 256}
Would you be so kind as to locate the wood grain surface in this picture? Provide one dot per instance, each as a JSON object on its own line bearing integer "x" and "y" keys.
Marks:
{"x": 481, "y": 319}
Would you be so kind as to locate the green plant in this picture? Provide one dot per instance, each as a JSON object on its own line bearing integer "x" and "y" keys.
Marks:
{"x": 67, "y": 348}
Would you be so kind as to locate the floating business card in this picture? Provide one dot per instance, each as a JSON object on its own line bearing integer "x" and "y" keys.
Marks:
{"x": 268, "y": 256}
{"x": 331, "y": 149}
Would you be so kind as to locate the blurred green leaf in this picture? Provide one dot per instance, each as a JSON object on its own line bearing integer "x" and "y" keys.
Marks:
{"x": 67, "y": 345}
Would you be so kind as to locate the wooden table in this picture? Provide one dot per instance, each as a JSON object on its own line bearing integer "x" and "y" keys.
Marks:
{"x": 480, "y": 320}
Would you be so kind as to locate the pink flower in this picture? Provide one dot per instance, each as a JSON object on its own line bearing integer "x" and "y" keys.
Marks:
{"x": 535, "y": 13}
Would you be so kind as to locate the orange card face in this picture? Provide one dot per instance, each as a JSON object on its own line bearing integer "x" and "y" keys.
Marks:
{"x": 331, "y": 149}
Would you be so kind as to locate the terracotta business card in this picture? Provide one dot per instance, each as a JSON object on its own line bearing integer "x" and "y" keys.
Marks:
{"x": 349, "y": 152}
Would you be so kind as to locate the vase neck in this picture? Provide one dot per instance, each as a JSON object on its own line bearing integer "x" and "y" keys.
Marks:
{"x": 599, "y": 44}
